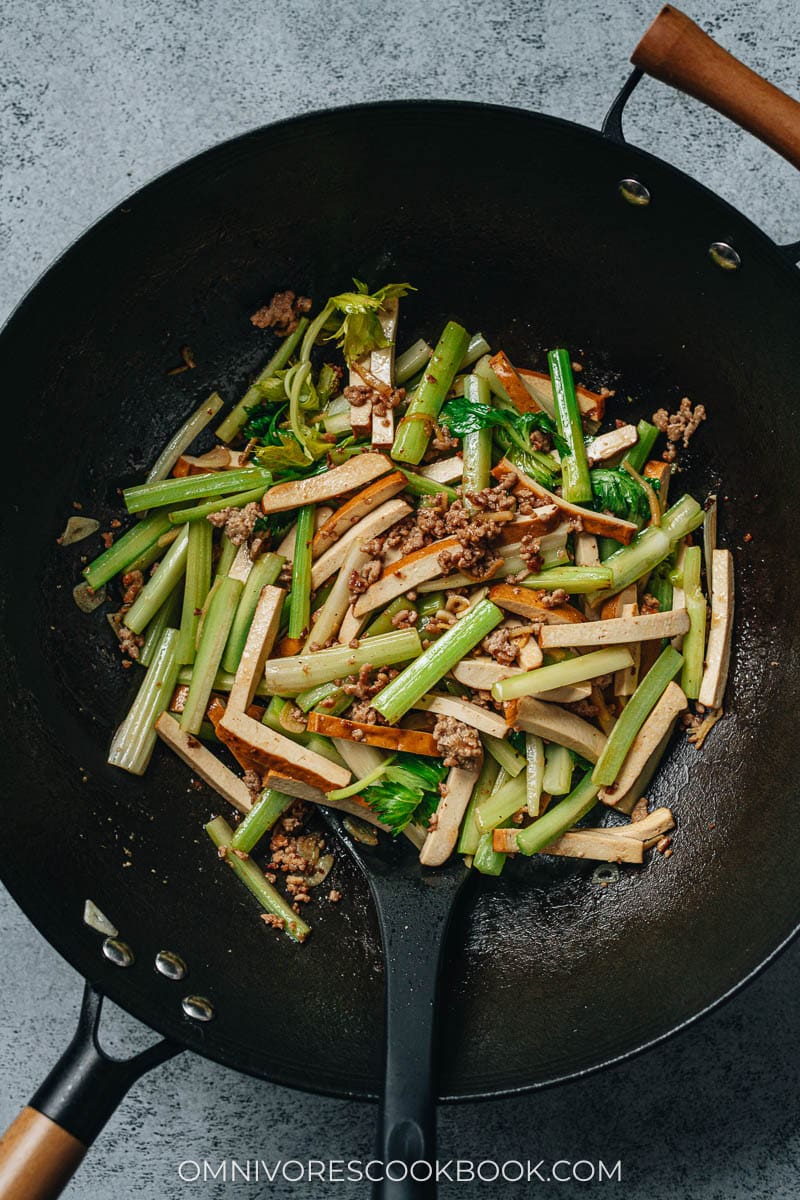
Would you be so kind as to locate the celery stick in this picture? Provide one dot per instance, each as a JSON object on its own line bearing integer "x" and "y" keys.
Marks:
{"x": 634, "y": 715}
{"x": 470, "y": 833}
{"x": 262, "y": 816}
{"x": 383, "y": 623}
{"x": 575, "y": 580}
{"x": 227, "y": 553}
{"x": 487, "y": 860}
{"x": 535, "y": 756}
{"x": 158, "y": 587}
{"x": 425, "y": 672}
{"x": 195, "y": 588}
{"x": 265, "y": 571}
{"x": 300, "y": 605}
{"x": 238, "y": 416}
{"x": 477, "y": 347}
{"x": 638, "y": 454}
{"x": 504, "y": 754}
{"x": 559, "y": 818}
{"x": 419, "y": 485}
{"x": 414, "y": 430}
{"x": 126, "y": 549}
{"x": 253, "y": 878}
{"x": 557, "y": 770}
{"x": 290, "y": 676}
{"x": 694, "y": 642}
{"x": 167, "y": 615}
{"x": 411, "y": 361}
{"x": 216, "y": 627}
{"x": 576, "y": 484}
{"x": 477, "y": 447}
{"x": 502, "y": 804}
{"x": 649, "y": 548}
{"x": 562, "y": 674}
{"x": 193, "y": 487}
{"x": 184, "y": 437}
{"x": 133, "y": 743}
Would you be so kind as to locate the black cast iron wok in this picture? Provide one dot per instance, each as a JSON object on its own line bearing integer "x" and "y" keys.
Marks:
{"x": 541, "y": 250}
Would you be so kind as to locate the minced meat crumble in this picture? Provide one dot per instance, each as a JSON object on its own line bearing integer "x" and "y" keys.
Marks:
{"x": 458, "y": 744}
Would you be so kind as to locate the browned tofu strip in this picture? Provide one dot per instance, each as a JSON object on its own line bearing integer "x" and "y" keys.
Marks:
{"x": 355, "y": 473}
{"x": 355, "y": 509}
{"x": 388, "y": 737}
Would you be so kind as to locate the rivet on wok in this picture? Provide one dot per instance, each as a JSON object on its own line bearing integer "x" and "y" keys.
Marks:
{"x": 198, "y": 1008}
{"x": 724, "y": 256}
{"x": 634, "y": 192}
{"x": 117, "y": 952}
{"x": 170, "y": 965}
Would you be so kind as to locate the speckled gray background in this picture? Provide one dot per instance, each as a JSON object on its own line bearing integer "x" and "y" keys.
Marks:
{"x": 96, "y": 98}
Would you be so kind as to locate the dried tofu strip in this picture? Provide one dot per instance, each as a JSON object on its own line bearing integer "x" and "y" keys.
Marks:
{"x": 650, "y": 828}
{"x": 601, "y": 845}
{"x": 587, "y": 554}
{"x": 590, "y": 522}
{"x": 257, "y": 649}
{"x": 204, "y": 764}
{"x": 404, "y": 575}
{"x": 526, "y": 602}
{"x": 540, "y": 387}
{"x": 388, "y": 737}
{"x": 354, "y": 510}
{"x": 557, "y": 725}
{"x": 441, "y": 840}
{"x": 718, "y": 651}
{"x": 474, "y": 715}
{"x": 351, "y": 626}
{"x": 268, "y": 749}
{"x": 658, "y": 724}
{"x": 660, "y": 472}
{"x": 626, "y": 680}
{"x": 286, "y": 546}
{"x": 610, "y": 633}
{"x": 303, "y": 791}
{"x": 357, "y": 472}
{"x": 609, "y": 445}
{"x": 446, "y": 470}
{"x": 371, "y": 526}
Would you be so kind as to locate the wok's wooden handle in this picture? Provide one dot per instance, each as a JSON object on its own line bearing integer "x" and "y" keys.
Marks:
{"x": 37, "y": 1158}
{"x": 679, "y": 53}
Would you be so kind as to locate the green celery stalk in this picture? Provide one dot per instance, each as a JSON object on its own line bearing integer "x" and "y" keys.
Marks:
{"x": 414, "y": 430}
{"x": 576, "y": 483}
{"x": 223, "y": 681}
{"x": 314, "y": 696}
{"x": 383, "y": 622}
{"x": 477, "y": 447}
{"x": 168, "y": 615}
{"x": 424, "y": 673}
{"x": 634, "y": 715}
{"x": 183, "y": 438}
{"x": 411, "y": 361}
{"x": 419, "y": 485}
{"x": 649, "y": 548}
{"x": 504, "y": 754}
{"x": 195, "y": 588}
{"x": 575, "y": 580}
{"x": 262, "y": 816}
{"x": 126, "y": 549}
{"x": 694, "y": 642}
{"x": 264, "y": 571}
{"x": 470, "y": 833}
{"x": 227, "y": 553}
{"x": 562, "y": 674}
{"x": 228, "y": 428}
{"x": 300, "y": 605}
{"x": 159, "y": 585}
{"x": 638, "y": 455}
{"x": 216, "y": 627}
{"x": 295, "y": 674}
{"x": 559, "y": 818}
{"x": 477, "y": 347}
{"x": 535, "y": 756}
{"x": 254, "y": 880}
{"x": 193, "y": 487}
{"x": 487, "y": 860}
{"x": 199, "y": 512}
{"x": 557, "y": 770}
{"x": 133, "y": 743}
{"x": 502, "y": 804}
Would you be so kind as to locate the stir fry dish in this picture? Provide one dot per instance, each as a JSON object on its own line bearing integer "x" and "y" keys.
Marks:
{"x": 439, "y": 591}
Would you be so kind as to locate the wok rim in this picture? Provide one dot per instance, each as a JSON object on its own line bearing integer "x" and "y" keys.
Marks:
{"x": 781, "y": 259}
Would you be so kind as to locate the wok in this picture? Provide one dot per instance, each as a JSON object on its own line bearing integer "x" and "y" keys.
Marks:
{"x": 545, "y": 976}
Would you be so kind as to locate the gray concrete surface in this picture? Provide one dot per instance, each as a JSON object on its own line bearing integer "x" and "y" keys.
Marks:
{"x": 95, "y": 98}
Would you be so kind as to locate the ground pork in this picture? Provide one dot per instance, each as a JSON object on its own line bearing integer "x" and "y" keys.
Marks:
{"x": 363, "y": 712}
{"x": 130, "y": 643}
{"x": 254, "y": 783}
{"x": 648, "y": 605}
{"x": 495, "y": 499}
{"x": 359, "y": 581}
{"x": 238, "y": 523}
{"x": 132, "y": 582}
{"x": 295, "y": 854}
{"x": 679, "y": 426}
{"x": 369, "y": 681}
{"x": 583, "y": 708}
{"x": 553, "y": 599}
{"x": 458, "y": 744}
{"x": 282, "y": 313}
{"x": 405, "y": 618}
{"x": 442, "y": 441}
{"x": 501, "y": 647}
{"x": 531, "y": 552}
{"x": 540, "y": 441}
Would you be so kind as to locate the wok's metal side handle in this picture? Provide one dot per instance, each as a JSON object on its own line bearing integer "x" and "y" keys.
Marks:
{"x": 678, "y": 52}
{"x": 406, "y": 1133}
{"x": 45, "y": 1145}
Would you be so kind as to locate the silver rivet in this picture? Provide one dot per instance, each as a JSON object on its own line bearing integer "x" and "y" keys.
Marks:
{"x": 634, "y": 192}
{"x": 198, "y": 1008}
{"x": 117, "y": 952}
{"x": 724, "y": 256}
{"x": 607, "y": 874}
{"x": 170, "y": 965}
